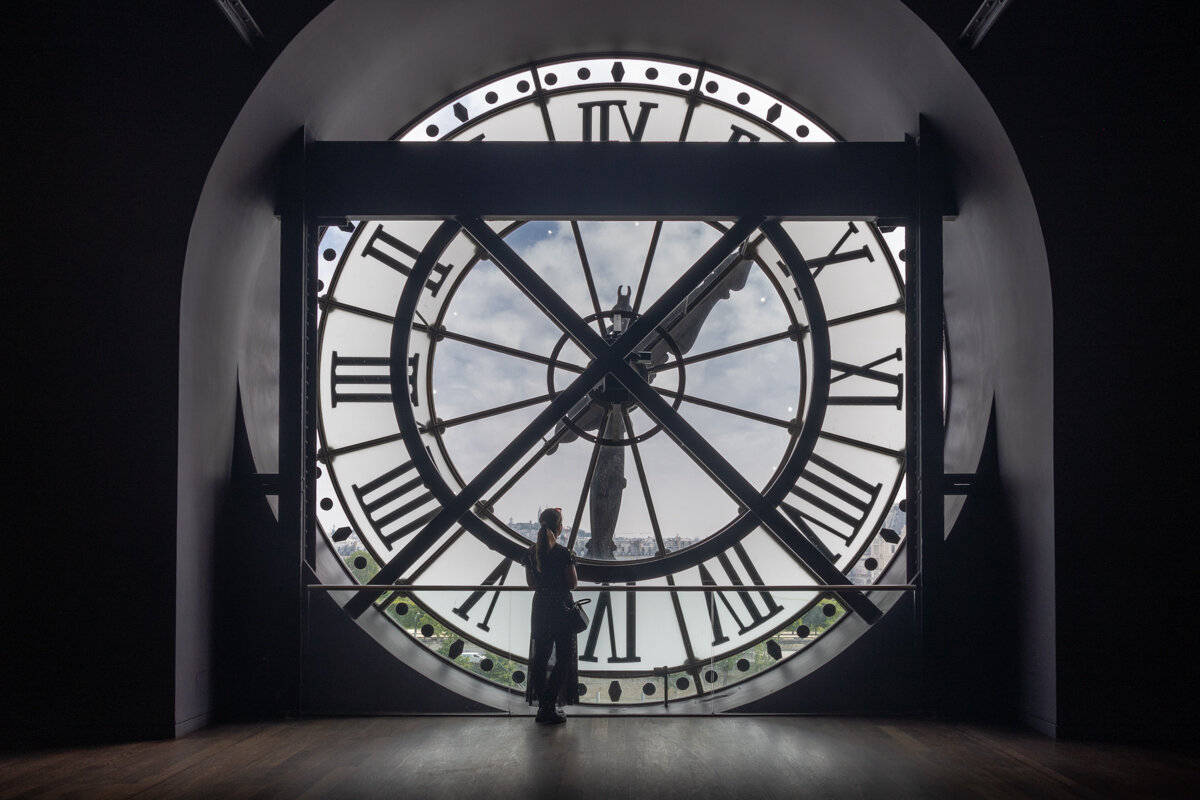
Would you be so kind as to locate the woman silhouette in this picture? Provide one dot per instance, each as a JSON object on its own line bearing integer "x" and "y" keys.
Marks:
{"x": 550, "y": 570}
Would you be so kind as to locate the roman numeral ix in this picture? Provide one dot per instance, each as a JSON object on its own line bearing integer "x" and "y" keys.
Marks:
{"x": 894, "y": 383}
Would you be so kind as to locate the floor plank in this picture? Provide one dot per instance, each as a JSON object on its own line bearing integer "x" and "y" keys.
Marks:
{"x": 613, "y": 757}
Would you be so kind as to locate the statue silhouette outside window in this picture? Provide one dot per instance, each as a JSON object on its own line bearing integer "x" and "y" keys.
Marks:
{"x": 608, "y": 405}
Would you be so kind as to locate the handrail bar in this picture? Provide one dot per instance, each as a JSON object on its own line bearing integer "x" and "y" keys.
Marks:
{"x": 618, "y": 587}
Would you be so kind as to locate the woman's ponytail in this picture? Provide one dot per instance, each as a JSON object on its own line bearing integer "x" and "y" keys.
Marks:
{"x": 550, "y": 519}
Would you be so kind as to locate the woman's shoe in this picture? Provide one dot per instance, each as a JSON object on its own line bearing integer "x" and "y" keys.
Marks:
{"x": 549, "y": 715}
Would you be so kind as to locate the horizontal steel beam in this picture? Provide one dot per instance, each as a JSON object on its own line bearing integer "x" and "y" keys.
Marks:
{"x": 610, "y": 180}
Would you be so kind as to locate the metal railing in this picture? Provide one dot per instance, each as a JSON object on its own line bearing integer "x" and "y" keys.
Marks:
{"x": 750, "y": 587}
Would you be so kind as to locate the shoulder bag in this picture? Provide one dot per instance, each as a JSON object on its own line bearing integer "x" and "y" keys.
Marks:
{"x": 577, "y": 618}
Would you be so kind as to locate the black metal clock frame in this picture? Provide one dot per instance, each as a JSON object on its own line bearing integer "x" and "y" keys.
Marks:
{"x": 327, "y": 183}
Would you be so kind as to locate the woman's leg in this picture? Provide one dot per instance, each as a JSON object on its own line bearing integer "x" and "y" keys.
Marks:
{"x": 546, "y": 687}
{"x": 563, "y": 649}
{"x": 537, "y": 666}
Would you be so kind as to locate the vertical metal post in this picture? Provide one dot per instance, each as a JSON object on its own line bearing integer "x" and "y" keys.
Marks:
{"x": 297, "y": 448}
{"x": 925, "y": 491}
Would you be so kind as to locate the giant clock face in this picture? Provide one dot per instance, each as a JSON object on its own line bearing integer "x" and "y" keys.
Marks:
{"x": 711, "y": 403}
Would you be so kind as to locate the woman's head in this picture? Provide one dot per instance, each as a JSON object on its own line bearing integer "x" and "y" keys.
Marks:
{"x": 551, "y": 520}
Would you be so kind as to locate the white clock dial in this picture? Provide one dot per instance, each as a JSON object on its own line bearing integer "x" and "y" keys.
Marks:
{"x": 777, "y": 384}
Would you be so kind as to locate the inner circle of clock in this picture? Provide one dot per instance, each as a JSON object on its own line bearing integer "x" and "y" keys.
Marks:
{"x": 611, "y": 400}
{"x": 627, "y": 490}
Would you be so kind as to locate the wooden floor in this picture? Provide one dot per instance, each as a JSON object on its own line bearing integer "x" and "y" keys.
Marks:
{"x": 471, "y": 758}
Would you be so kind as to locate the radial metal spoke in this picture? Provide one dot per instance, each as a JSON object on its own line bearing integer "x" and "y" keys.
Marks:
{"x": 641, "y": 290}
{"x": 859, "y": 443}
{"x": 333, "y": 452}
{"x": 641, "y": 471}
{"x": 791, "y": 333}
{"x": 546, "y": 447}
{"x": 329, "y": 303}
{"x": 543, "y": 105}
{"x": 440, "y": 332}
{"x": 528, "y": 281}
{"x": 587, "y": 275}
{"x": 871, "y": 312}
{"x": 587, "y": 483}
{"x": 741, "y": 412}
{"x": 693, "y": 101}
{"x": 437, "y": 426}
{"x": 688, "y": 650}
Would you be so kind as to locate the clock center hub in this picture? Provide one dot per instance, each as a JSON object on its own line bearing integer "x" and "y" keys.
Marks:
{"x": 613, "y": 393}
{"x": 658, "y": 359}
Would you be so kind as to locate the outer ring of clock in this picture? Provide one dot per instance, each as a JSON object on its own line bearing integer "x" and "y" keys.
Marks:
{"x": 683, "y": 90}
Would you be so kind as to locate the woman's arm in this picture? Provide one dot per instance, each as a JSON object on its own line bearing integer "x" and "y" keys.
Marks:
{"x": 572, "y": 577}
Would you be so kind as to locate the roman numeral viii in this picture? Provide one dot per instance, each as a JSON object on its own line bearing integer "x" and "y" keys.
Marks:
{"x": 836, "y": 502}
{"x": 391, "y": 501}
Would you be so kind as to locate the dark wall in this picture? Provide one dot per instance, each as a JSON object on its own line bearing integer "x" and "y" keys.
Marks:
{"x": 256, "y": 651}
{"x": 115, "y": 115}
{"x": 1096, "y": 103}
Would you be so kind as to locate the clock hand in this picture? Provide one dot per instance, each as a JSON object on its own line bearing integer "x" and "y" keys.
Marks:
{"x": 608, "y": 483}
{"x": 763, "y": 506}
{"x": 593, "y": 417}
{"x": 684, "y": 324}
